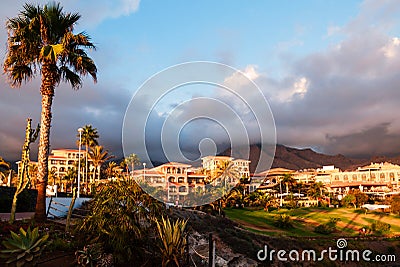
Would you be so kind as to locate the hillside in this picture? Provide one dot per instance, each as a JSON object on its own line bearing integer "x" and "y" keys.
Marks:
{"x": 297, "y": 159}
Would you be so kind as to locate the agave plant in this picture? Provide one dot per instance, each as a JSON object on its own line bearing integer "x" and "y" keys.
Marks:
{"x": 173, "y": 241}
{"x": 89, "y": 255}
{"x": 24, "y": 247}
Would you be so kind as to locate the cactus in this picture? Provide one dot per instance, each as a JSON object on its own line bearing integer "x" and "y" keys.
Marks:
{"x": 24, "y": 247}
{"x": 23, "y": 178}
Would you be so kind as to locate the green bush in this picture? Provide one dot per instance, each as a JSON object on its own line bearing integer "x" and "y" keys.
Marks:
{"x": 327, "y": 228}
{"x": 121, "y": 217}
{"x": 379, "y": 227}
{"x": 283, "y": 221}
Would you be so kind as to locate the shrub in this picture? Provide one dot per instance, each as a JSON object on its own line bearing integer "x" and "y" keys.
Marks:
{"x": 327, "y": 228}
{"x": 283, "y": 221}
{"x": 379, "y": 227}
{"x": 120, "y": 217}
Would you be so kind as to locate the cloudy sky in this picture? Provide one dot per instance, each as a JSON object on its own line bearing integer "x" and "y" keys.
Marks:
{"x": 328, "y": 69}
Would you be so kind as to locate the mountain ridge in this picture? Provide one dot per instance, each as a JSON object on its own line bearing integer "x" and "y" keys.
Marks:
{"x": 306, "y": 158}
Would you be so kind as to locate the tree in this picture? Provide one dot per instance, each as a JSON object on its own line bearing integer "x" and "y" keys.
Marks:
{"x": 98, "y": 156}
{"x": 4, "y": 165}
{"x": 395, "y": 204}
{"x": 111, "y": 170}
{"x": 356, "y": 198}
{"x": 132, "y": 160}
{"x": 289, "y": 181}
{"x": 316, "y": 190}
{"x": 41, "y": 40}
{"x": 89, "y": 139}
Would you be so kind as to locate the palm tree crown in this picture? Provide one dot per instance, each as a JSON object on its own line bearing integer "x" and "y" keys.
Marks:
{"x": 98, "y": 157}
{"x": 43, "y": 36}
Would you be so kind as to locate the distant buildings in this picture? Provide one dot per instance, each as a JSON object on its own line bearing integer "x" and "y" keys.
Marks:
{"x": 62, "y": 160}
{"x": 175, "y": 181}
{"x": 375, "y": 179}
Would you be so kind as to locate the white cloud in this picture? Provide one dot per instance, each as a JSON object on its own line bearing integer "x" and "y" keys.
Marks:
{"x": 237, "y": 80}
{"x": 391, "y": 49}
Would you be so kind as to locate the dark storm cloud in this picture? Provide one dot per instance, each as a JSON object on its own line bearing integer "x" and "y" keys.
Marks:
{"x": 351, "y": 92}
{"x": 377, "y": 140}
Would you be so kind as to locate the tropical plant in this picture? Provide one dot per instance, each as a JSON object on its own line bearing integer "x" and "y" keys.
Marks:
{"x": 316, "y": 190}
{"x": 172, "y": 241}
{"x": 89, "y": 255}
{"x": 395, "y": 204}
{"x": 327, "y": 228}
{"x": 379, "y": 227}
{"x": 289, "y": 181}
{"x": 283, "y": 221}
{"x": 71, "y": 177}
{"x": 3, "y": 165}
{"x": 41, "y": 40}
{"x": 111, "y": 169}
{"x": 88, "y": 137}
{"x": 24, "y": 247}
{"x": 120, "y": 215}
{"x": 98, "y": 156}
{"x": 132, "y": 160}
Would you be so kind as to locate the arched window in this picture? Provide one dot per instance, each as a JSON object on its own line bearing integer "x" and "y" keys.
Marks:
{"x": 171, "y": 179}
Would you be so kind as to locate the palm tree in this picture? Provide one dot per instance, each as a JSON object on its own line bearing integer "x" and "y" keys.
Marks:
{"x": 132, "y": 160}
{"x": 289, "y": 181}
{"x": 3, "y": 165}
{"x": 41, "y": 40}
{"x": 89, "y": 139}
{"x": 98, "y": 157}
{"x": 71, "y": 176}
{"x": 111, "y": 169}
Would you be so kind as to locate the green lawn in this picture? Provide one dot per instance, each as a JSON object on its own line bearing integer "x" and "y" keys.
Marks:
{"x": 306, "y": 219}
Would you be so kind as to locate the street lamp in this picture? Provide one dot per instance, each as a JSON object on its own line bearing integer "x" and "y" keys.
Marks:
{"x": 80, "y": 130}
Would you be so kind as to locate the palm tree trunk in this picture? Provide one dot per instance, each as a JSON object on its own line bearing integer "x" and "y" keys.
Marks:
{"x": 47, "y": 92}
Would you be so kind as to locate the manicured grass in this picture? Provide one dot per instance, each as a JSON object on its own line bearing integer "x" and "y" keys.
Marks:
{"x": 306, "y": 219}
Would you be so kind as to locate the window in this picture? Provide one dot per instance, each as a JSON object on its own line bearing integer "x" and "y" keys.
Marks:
{"x": 354, "y": 177}
{"x": 182, "y": 189}
{"x": 171, "y": 179}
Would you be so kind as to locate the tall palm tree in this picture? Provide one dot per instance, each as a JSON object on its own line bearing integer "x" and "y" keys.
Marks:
{"x": 41, "y": 40}
{"x": 89, "y": 139}
{"x": 98, "y": 156}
